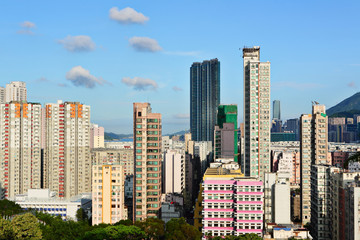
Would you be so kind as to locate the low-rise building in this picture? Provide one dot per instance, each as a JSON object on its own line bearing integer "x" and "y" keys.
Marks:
{"x": 43, "y": 200}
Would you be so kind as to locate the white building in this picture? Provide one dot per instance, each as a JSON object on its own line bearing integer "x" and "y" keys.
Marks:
{"x": 119, "y": 144}
{"x": 96, "y": 136}
{"x": 173, "y": 172}
{"x": 67, "y": 160}
{"x": 277, "y": 198}
{"x": 2, "y": 95}
{"x": 43, "y": 200}
{"x": 354, "y": 166}
{"x": 20, "y": 149}
{"x": 256, "y": 113}
{"x": 16, "y": 91}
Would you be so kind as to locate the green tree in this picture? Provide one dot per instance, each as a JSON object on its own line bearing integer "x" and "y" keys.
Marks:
{"x": 126, "y": 222}
{"x": 9, "y": 208}
{"x": 178, "y": 229}
{"x": 26, "y": 226}
{"x": 6, "y": 232}
{"x": 115, "y": 232}
{"x": 153, "y": 227}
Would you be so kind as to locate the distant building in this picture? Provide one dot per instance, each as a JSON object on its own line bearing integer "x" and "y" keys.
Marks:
{"x": 96, "y": 136}
{"x": 204, "y": 99}
{"x": 293, "y": 125}
{"x": 170, "y": 210}
{"x": 108, "y": 204}
{"x": 43, "y": 200}
{"x": 16, "y": 91}
{"x": 226, "y": 135}
{"x": 276, "y": 110}
{"x": 283, "y": 136}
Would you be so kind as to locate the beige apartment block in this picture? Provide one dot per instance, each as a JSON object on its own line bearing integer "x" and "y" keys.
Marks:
{"x": 67, "y": 160}
{"x": 20, "y": 149}
{"x": 16, "y": 91}
{"x": 108, "y": 204}
{"x": 256, "y": 113}
{"x": 313, "y": 150}
{"x": 123, "y": 157}
{"x": 147, "y": 158}
{"x": 96, "y": 136}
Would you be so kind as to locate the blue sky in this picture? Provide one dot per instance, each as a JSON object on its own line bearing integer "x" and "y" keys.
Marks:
{"x": 80, "y": 51}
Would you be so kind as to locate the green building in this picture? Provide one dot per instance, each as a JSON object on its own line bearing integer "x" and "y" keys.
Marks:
{"x": 226, "y": 134}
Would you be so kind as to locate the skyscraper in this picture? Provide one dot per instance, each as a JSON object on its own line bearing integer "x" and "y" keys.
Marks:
{"x": 67, "y": 160}
{"x": 276, "y": 110}
{"x": 256, "y": 113}
{"x": 20, "y": 152}
{"x": 226, "y": 133}
{"x": 313, "y": 150}
{"x": 204, "y": 99}
{"x": 147, "y": 162}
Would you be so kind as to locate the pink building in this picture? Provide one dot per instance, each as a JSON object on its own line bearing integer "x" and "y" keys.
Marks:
{"x": 232, "y": 204}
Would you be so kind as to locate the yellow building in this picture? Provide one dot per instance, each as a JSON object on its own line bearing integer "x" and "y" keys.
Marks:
{"x": 108, "y": 204}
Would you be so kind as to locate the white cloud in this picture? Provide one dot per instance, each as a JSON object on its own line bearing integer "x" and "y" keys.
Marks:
{"x": 144, "y": 44}
{"x": 79, "y": 43}
{"x": 139, "y": 83}
{"x": 177, "y": 89}
{"x": 127, "y": 15}
{"x": 81, "y": 77}
{"x": 28, "y": 24}
{"x": 26, "y": 28}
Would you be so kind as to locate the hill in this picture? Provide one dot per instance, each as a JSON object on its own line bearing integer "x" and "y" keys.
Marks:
{"x": 114, "y": 136}
{"x": 347, "y": 107}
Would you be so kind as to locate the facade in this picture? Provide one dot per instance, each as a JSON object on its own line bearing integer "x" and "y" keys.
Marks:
{"x": 276, "y": 110}
{"x": 313, "y": 150}
{"x": 147, "y": 162}
{"x": 173, "y": 172}
{"x": 2, "y": 95}
{"x": 170, "y": 210}
{"x": 20, "y": 151}
{"x": 232, "y": 204}
{"x": 43, "y": 200}
{"x": 117, "y": 156}
{"x": 96, "y": 136}
{"x": 67, "y": 160}
{"x": 293, "y": 125}
{"x": 16, "y": 91}
{"x": 256, "y": 113}
{"x": 226, "y": 133}
{"x": 108, "y": 198}
{"x": 204, "y": 99}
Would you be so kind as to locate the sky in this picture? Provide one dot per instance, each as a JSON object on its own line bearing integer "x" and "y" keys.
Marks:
{"x": 109, "y": 54}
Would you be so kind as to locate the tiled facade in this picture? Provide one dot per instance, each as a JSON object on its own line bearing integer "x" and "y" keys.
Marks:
{"x": 147, "y": 162}
{"x": 232, "y": 205}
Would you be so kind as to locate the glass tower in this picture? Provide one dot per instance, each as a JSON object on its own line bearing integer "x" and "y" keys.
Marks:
{"x": 204, "y": 99}
{"x": 276, "y": 109}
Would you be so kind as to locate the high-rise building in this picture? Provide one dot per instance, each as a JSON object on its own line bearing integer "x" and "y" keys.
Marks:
{"x": 256, "y": 113}
{"x": 173, "y": 171}
{"x": 2, "y": 95}
{"x": 204, "y": 99}
{"x": 313, "y": 150}
{"x": 293, "y": 125}
{"x": 147, "y": 159}
{"x": 67, "y": 160}
{"x": 16, "y": 91}
{"x": 108, "y": 198}
{"x": 96, "y": 136}
{"x": 226, "y": 133}
{"x": 20, "y": 151}
{"x": 276, "y": 110}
